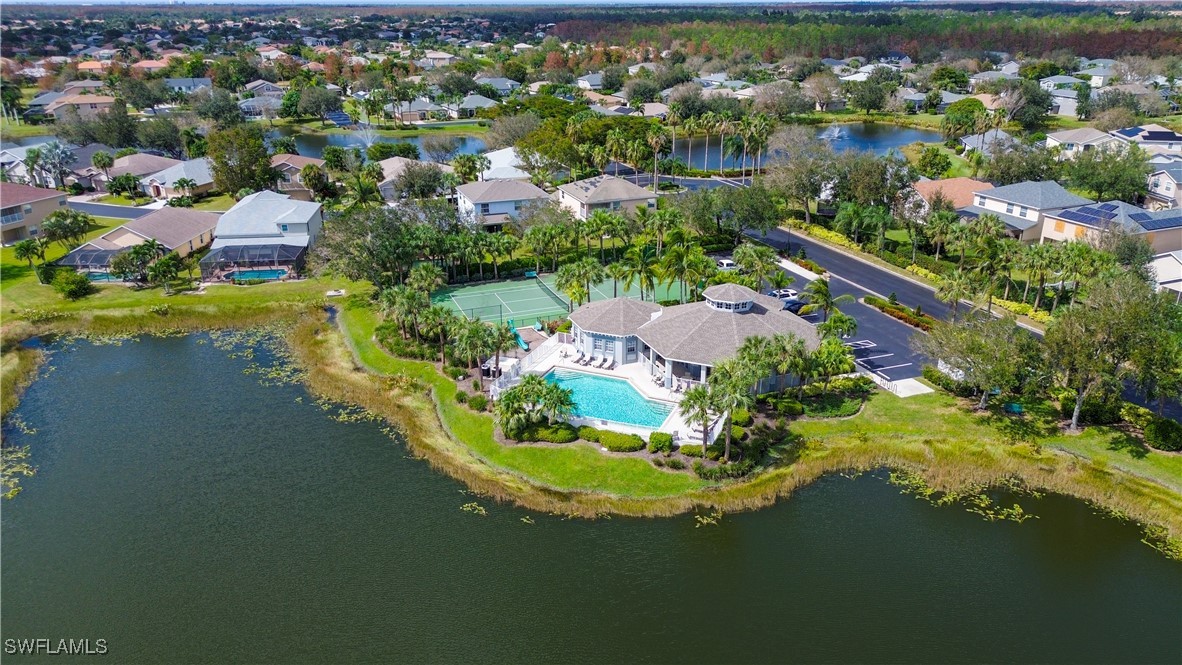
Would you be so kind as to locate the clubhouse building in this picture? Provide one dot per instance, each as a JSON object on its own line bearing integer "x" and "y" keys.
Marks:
{"x": 680, "y": 344}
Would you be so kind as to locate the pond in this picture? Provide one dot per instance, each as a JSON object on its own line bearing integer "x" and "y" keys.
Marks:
{"x": 184, "y": 512}
{"x": 879, "y": 138}
{"x": 313, "y": 145}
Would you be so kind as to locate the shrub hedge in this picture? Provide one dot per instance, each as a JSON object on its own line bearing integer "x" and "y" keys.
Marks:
{"x": 478, "y": 402}
{"x": 724, "y": 471}
{"x": 589, "y": 434}
{"x": 741, "y": 417}
{"x": 690, "y": 450}
{"x": 1164, "y": 434}
{"x": 901, "y": 312}
{"x": 620, "y": 443}
{"x": 559, "y": 433}
{"x": 660, "y": 442}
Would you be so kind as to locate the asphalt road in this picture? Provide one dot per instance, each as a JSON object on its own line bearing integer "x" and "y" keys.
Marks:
{"x": 852, "y": 275}
{"x": 106, "y": 210}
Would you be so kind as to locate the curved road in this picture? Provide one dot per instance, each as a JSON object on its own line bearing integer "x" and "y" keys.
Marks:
{"x": 869, "y": 277}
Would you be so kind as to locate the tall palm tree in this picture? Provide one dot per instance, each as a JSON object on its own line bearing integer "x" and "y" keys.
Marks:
{"x": 790, "y": 355}
{"x": 708, "y": 121}
{"x": 103, "y": 161}
{"x": 955, "y": 287}
{"x": 501, "y": 338}
{"x": 472, "y": 341}
{"x": 425, "y": 278}
{"x": 1037, "y": 261}
{"x": 960, "y": 236}
{"x": 661, "y": 222}
{"x": 690, "y": 125}
{"x": 186, "y": 185}
{"x": 821, "y": 299}
{"x": 601, "y": 222}
{"x": 501, "y": 244}
{"x": 437, "y": 321}
{"x": 32, "y": 162}
{"x": 939, "y": 228}
{"x": 618, "y": 272}
{"x": 724, "y": 125}
{"x": 641, "y": 264}
{"x": 697, "y": 406}
{"x": 730, "y": 384}
{"x": 1009, "y": 253}
{"x": 756, "y": 261}
{"x": 617, "y": 146}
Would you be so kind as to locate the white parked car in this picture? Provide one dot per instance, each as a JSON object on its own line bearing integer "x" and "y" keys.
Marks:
{"x": 726, "y": 264}
{"x": 783, "y": 293}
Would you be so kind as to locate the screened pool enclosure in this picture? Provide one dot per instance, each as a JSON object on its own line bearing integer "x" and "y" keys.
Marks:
{"x": 276, "y": 260}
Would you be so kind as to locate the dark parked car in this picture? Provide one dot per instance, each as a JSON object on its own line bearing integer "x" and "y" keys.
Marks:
{"x": 794, "y": 305}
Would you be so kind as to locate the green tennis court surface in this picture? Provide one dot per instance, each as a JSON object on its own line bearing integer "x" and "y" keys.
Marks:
{"x": 525, "y": 301}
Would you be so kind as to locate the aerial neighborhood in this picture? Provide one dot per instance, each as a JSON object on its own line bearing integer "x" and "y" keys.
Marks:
{"x": 526, "y": 206}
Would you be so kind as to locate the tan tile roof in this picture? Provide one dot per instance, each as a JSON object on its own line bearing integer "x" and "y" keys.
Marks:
{"x": 958, "y": 191}
{"x": 12, "y": 194}
{"x": 604, "y": 189}
{"x": 618, "y": 316}
{"x": 298, "y": 161}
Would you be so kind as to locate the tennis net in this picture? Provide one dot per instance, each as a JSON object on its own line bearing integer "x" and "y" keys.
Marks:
{"x": 554, "y": 294}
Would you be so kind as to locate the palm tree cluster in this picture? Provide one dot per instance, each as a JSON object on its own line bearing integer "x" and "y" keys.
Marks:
{"x": 533, "y": 401}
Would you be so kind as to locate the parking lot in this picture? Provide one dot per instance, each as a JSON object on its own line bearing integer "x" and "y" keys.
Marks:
{"x": 882, "y": 344}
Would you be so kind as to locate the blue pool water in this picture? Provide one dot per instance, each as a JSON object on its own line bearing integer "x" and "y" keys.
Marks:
{"x": 611, "y": 399}
{"x": 102, "y": 277}
{"x": 257, "y": 274}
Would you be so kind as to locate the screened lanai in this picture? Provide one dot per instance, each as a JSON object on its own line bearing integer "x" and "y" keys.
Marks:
{"x": 222, "y": 262}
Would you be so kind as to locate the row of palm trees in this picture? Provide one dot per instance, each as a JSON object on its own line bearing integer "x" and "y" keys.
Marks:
{"x": 733, "y": 382}
{"x": 533, "y": 401}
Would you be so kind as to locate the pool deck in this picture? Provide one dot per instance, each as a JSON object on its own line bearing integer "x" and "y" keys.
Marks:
{"x": 640, "y": 379}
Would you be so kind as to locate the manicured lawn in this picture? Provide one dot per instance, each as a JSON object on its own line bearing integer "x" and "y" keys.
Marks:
{"x": 960, "y": 166}
{"x": 569, "y": 467}
{"x": 15, "y": 275}
{"x": 121, "y": 200}
{"x": 219, "y": 203}
{"x": 11, "y": 130}
{"x": 313, "y": 126}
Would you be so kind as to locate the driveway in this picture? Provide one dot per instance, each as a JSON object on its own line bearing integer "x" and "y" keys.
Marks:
{"x": 108, "y": 210}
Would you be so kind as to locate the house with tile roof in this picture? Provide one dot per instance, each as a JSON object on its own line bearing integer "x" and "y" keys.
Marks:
{"x": 1073, "y": 142}
{"x": 162, "y": 184}
{"x": 180, "y": 230}
{"x": 23, "y": 208}
{"x": 267, "y": 234}
{"x": 1162, "y": 229}
{"x": 290, "y": 180}
{"x": 1165, "y": 187}
{"x": 603, "y": 192}
{"x": 494, "y": 203}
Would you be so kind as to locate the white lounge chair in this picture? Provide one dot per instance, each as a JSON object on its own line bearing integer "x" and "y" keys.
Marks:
{"x": 603, "y": 363}
{"x": 611, "y": 364}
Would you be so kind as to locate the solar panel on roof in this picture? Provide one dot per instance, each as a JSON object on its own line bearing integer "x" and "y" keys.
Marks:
{"x": 1163, "y": 223}
{"x": 1107, "y": 206}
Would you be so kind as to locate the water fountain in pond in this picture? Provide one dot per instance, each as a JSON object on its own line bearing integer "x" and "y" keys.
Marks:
{"x": 832, "y": 133}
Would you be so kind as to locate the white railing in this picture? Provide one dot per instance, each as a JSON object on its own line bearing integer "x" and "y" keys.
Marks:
{"x": 541, "y": 352}
{"x": 882, "y": 383}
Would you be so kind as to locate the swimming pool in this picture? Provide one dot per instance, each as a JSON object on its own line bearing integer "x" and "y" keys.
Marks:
{"x": 257, "y": 274}
{"x": 102, "y": 277}
{"x": 606, "y": 398}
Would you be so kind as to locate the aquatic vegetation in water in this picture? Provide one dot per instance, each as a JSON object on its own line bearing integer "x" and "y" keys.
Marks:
{"x": 711, "y": 519}
{"x": 16, "y": 422}
{"x": 474, "y": 508}
{"x": 973, "y": 497}
{"x": 13, "y": 467}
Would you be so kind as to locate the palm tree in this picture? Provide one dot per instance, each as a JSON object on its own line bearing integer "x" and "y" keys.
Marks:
{"x": 394, "y": 301}
{"x": 501, "y": 244}
{"x": 831, "y": 358}
{"x": 960, "y": 236}
{"x": 425, "y": 278}
{"x": 502, "y": 338}
{"x": 660, "y": 223}
{"x": 641, "y": 263}
{"x": 756, "y": 261}
{"x": 691, "y": 126}
{"x": 29, "y": 249}
{"x": 186, "y": 185}
{"x": 723, "y": 125}
{"x": 56, "y": 159}
{"x": 164, "y": 270}
{"x": 956, "y": 287}
{"x": 730, "y": 384}
{"x": 1009, "y": 253}
{"x": 698, "y": 406}
{"x": 939, "y": 228}
{"x": 437, "y": 321}
{"x": 1074, "y": 259}
{"x": 32, "y": 162}
{"x": 850, "y": 219}
{"x": 617, "y": 271}
{"x": 789, "y": 354}
{"x": 600, "y": 223}
{"x": 617, "y": 146}
{"x": 570, "y": 282}
{"x": 472, "y": 342}
{"x": 708, "y": 121}
{"x": 103, "y": 161}
{"x": 839, "y": 325}
{"x": 821, "y": 299}
{"x": 1037, "y": 260}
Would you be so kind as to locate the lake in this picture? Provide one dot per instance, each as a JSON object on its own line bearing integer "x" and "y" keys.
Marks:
{"x": 313, "y": 145}
{"x": 185, "y": 513}
{"x": 876, "y": 137}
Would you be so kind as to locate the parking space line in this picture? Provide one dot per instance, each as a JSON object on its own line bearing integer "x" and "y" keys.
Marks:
{"x": 881, "y": 355}
{"x": 881, "y": 369}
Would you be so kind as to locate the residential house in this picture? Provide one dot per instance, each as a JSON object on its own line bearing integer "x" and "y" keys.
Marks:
{"x": 289, "y": 168}
{"x": 992, "y": 76}
{"x": 36, "y": 106}
{"x": 188, "y": 86}
{"x": 470, "y": 104}
{"x": 494, "y": 203}
{"x": 83, "y": 86}
{"x": 23, "y": 208}
{"x": 1167, "y": 272}
{"x": 1165, "y": 187}
{"x": 416, "y": 110}
{"x": 1010, "y": 67}
{"x": 262, "y": 88}
{"x": 1147, "y": 136}
{"x": 915, "y": 101}
{"x": 260, "y": 107}
{"x": 269, "y": 54}
{"x": 958, "y": 192}
{"x": 603, "y": 192}
{"x": 1162, "y": 229}
{"x": 149, "y": 66}
{"x": 681, "y": 344}
{"x": 180, "y": 230}
{"x": 992, "y": 142}
{"x": 521, "y": 47}
{"x": 1059, "y": 81}
{"x": 606, "y": 101}
{"x": 93, "y": 67}
{"x": 1072, "y": 142}
{"x": 1097, "y": 77}
{"x": 503, "y": 86}
{"x": 1023, "y": 206}
{"x": 1065, "y": 102}
{"x": 140, "y": 164}
{"x": 162, "y": 184}
{"x": 393, "y": 168}
{"x": 633, "y": 70}
{"x": 86, "y": 106}
{"x": 504, "y": 164}
{"x": 439, "y": 59}
{"x": 592, "y": 81}
{"x": 266, "y": 234}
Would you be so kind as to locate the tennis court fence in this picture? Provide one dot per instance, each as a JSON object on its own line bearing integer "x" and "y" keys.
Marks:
{"x": 511, "y": 376}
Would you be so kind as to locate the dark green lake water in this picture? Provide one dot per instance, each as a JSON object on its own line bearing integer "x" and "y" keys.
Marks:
{"x": 186, "y": 513}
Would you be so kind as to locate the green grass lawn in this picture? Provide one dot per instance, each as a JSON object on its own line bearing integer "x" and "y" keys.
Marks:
{"x": 569, "y": 467}
{"x": 218, "y": 203}
{"x": 960, "y": 166}
{"x": 12, "y": 130}
{"x": 16, "y": 275}
{"x": 121, "y": 200}
{"x": 313, "y": 126}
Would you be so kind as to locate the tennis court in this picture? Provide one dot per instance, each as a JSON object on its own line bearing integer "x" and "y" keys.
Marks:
{"x": 526, "y": 301}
